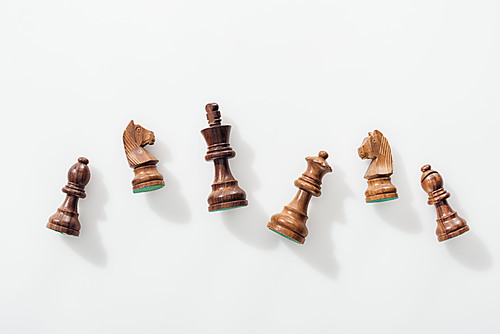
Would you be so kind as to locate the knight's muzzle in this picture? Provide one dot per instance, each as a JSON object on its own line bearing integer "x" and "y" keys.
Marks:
{"x": 361, "y": 153}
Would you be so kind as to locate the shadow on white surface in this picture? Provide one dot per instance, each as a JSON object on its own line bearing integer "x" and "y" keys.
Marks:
{"x": 248, "y": 224}
{"x": 470, "y": 251}
{"x": 161, "y": 151}
{"x": 318, "y": 249}
{"x": 467, "y": 249}
{"x": 168, "y": 202}
{"x": 454, "y": 202}
{"x": 91, "y": 209}
{"x": 400, "y": 213}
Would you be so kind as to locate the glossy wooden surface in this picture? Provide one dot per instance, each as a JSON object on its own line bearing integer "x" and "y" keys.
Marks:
{"x": 378, "y": 175}
{"x": 65, "y": 220}
{"x": 291, "y": 221}
{"x": 449, "y": 223}
{"x": 226, "y": 194}
{"x": 146, "y": 176}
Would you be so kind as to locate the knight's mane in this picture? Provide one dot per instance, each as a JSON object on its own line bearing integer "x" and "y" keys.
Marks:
{"x": 135, "y": 154}
{"x": 384, "y": 157}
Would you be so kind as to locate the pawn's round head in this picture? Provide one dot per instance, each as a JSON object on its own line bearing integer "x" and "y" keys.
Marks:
{"x": 83, "y": 160}
{"x": 79, "y": 173}
{"x": 431, "y": 180}
{"x": 425, "y": 168}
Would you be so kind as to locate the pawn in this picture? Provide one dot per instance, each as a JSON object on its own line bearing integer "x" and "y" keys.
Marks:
{"x": 291, "y": 222}
{"x": 226, "y": 194}
{"x": 65, "y": 220}
{"x": 147, "y": 177}
{"x": 449, "y": 223}
{"x": 378, "y": 174}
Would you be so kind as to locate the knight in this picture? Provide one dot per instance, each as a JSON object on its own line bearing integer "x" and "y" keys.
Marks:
{"x": 147, "y": 178}
{"x": 378, "y": 175}
{"x": 291, "y": 222}
{"x": 65, "y": 220}
{"x": 226, "y": 194}
{"x": 449, "y": 223}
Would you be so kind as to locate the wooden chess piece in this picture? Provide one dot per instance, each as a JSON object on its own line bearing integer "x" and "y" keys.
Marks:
{"x": 226, "y": 194}
{"x": 380, "y": 187}
{"x": 291, "y": 222}
{"x": 449, "y": 223}
{"x": 65, "y": 220}
{"x": 147, "y": 177}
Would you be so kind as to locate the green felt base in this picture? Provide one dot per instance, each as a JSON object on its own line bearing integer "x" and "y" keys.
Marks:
{"x": 382, "y": 200}
{"x": 285, "y": 236}
{"x": 146, "y": 189}
{"x": 234, "y": 207}
{"x": 67, "y": 235}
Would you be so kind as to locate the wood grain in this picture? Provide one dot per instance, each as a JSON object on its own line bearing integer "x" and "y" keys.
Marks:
{"x": 378, "y": 175}
{"x": 291, "y": 222}
{"x": 65, "y": 220}
{"x": 449, "y": 224}
{"x": 226, "y": 194}
{"x": 146, "y": 176}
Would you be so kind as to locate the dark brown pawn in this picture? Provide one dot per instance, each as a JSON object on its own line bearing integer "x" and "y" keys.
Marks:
{"x": 449, "y": 223}
{"x": 65, "y": 220}
{"x": 226, "y": 194}
{"x": 291, "y": 222}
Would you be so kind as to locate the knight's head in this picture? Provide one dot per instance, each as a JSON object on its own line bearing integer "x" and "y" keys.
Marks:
{"x": 376, "y": 147}
{"x": 143, "y": 136}
{"x": 370, "y": 148}
{"x": 140, "y": 135}
{"x": 135, "y": 137}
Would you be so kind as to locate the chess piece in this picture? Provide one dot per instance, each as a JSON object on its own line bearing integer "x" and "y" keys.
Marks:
{"x": 449, "y": 223}
{"x": 380, "y": 188}
{"x": 226, "y": 194}
{"x": 65, "y": 220}
{"x": 147, "y": 177}
{"x": 291, "y": 222}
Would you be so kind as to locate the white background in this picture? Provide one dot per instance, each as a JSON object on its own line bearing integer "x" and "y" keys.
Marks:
{"x": 292, "y": 77}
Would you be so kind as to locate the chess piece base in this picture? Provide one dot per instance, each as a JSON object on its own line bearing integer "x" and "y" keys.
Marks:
{"x": 285, "y": 232}
{"x": 226, "y": 195}
{"x": 227, "y": 205}
{"x": 381, "y": 198}
{"x": 453, "y": 234}
{"x": 380, "y": 189}
{"x": 147, "y": 178}
{"x": 146, "y": 188}
{"x": 63, "y": 229}
{"x": 450, "y": 225}
{"x": 65, "y": 221}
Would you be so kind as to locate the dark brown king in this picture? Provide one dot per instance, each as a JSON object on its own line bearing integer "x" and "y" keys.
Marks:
{"x": 449, "y": 223}
{"x": 226, "y": 194}
{"x": 65, "y": 220}
{"x": 291, "y": 222}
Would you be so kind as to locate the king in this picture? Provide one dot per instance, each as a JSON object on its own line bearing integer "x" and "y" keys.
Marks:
{"x": 226, "y": 194}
